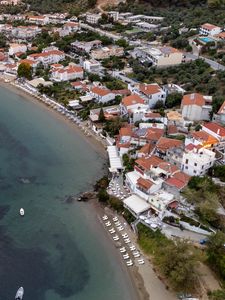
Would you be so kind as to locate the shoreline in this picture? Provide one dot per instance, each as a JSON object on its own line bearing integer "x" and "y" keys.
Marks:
{"x": 142, "y": 278}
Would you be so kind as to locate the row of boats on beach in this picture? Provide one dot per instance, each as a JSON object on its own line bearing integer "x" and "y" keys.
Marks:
{"x": 128, "y": 250}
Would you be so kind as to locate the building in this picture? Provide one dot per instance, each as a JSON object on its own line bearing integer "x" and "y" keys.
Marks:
{"x": 102, "y": 95}
{"x": 48, "y": 57}
{"x": 209, "y": 29}
{"x": 160, "y": 57}
{"x": 196, "y": 107}
{"x": 39, "y": 20}
{"x": 216, "y": 130}
{"x": 221, "y": 113}
{"x": 70, "y": 72}
{"x": 196, "y": 162}
{"x": 202, "y": 139}
{"x": 15, "y": 48}
{"x": 165, "y": 144}
{"x": 172, "y": 88}
{"x": 114, "y": 15}
{"x": 106, "y": 52}
{"x": 92, "y": 66}
{"x": 93, "y": 18}
{"x": 25, "y": 32}
{"x": 110, "y": 112}
{"x": 134, "y": 106}
{"x": 85, "y": 46}
{"x": 153, "y": 92}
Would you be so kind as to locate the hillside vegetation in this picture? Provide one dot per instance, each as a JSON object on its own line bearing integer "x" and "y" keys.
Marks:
{"x": 71, "y": 6}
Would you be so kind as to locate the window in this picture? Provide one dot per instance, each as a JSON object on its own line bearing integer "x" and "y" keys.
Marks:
{"x": 194, "y": 171}
{"x": 195, "y": 164}
{"x": 186, "y": 167}
{"x": 186, "y": 162}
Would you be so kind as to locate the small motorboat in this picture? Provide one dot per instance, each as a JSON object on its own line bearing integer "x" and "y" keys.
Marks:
{"x": 22, "y": 212}
{"x": 19, "y": 293}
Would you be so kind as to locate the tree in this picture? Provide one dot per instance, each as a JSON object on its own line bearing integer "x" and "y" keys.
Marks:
{"x": 173, "y": 99}
{"x": 103, "y": 196}
{"x": 25, "y": 70}
{"x": 3, "y": 40}
{"x": 159, "y": 104}
{"x": 217, "y": 295}
{"x": 101, "y": 117}
{"x": 122, "y": 43}
{"x": 216, "y": 252}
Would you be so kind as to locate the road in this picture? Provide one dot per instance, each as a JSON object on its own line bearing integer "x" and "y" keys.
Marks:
{"x": 122, "y": 77}
{"x": 115, "y": 37}
{"x": 213, "y": 64}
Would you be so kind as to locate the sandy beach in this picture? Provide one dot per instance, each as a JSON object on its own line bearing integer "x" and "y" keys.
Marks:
{"x": 142, "y": 278}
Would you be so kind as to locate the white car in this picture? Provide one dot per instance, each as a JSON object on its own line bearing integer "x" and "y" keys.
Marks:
{"x": 125, "y": 236}
{"x": 108, "y": 224}
{"x": 126, "y": 256}
{"x": 136, "y": 255}
{"x": 105, "y": 218}
{"x": 132, "y": 248}
{"x": 117, "y": 223}
{"x": 115, "y": 219}
{"x": 136, "y": 252}
{"x": 116, "y": 238}
{"x": 112, "y": 231}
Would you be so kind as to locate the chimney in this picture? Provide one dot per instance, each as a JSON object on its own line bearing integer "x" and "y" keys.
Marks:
{"x": 218, "y": 131}
{"x": 192, "y": 96}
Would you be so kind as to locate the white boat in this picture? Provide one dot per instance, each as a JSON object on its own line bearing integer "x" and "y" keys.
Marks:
{"x": 22, "y": 212}
{"x": 19, "y": 293}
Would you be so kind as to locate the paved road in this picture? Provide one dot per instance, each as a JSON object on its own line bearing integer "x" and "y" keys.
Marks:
{"x": 213, "y": 64}
{"x": 115, "y": 37}
{"x": 124, "y": 78}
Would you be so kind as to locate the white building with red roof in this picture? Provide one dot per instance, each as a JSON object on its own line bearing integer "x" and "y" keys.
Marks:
{"x": 153, "y": 92}
{"x": 209, "y": 29}
{"x": 39, "y": 20}
{"x": 196, "y": 107}
{"x": 47, "y": 57}
{"x": 70, "y": 72}
{"x": 102, "y": 95}
{"x": 15, "y": 48}
{"x": 134, "y": 106}
{"x": 215, "y": 130}
{"x": 221, "y": 113}
{"x": 196, "y": 161}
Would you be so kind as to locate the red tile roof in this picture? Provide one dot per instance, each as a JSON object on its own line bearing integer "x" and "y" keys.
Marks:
{"x": 193, "y": 99}
{"x": 132, "y": 100}
{"x": 204, "y": 137}
{"x": 175, "y": 182}
{"x": 148, "y": 163}
{"x": 154, "y": 134}
{"x": 152, "y": 115}
{"x": 146, "y": 149}
{"x": 99, "y": 91}
{"x": 166, "y": 143}
{"x": 172, "y": 129}
{"x": 222, "y": 107}
{"x": 209, "y": 26}
{"x": 145, "y": 183}
{"x": 216, "y": 128}
{"x": 149, "y": 89}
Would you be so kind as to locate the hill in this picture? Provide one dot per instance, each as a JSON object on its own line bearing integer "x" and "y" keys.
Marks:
{"x": 71, "y": 6}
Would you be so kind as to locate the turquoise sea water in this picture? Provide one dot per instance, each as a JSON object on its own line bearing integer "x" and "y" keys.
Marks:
{"x": 58, "y": 250}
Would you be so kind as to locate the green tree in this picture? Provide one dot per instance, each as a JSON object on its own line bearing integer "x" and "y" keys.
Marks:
{"x": 122, "y": 43}
{"x": 103, "y": 196}
{"x": 101, "y": 117}
{"x": 216, "y": 252}
{"x": 217, "y": 295}
{"x": 25, "y": 70}
{"x": 159, "y": 104}
{"x": 173, "y": 99}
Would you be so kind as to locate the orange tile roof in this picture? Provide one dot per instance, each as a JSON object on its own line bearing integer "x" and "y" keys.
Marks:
{"x": 204, "y": 137}
{"x": 154, "y": 134}
{"x": 168, "y": 167}
{"x": 126, "y": 131}
{"x": 149, "y": 89}
{"x": 152, "y": 115}
{"x": 100, "y": 91}
{"x": 216, "y": 128}
{"x": 193, "y": 99}
{"x": 166, "y": 143}
{"x": 209, "y": 26}
{"x": 37, "y": 17}
{"x": 145, "y": 183}
{"x": 176, "y": 183}
{"x": 146, "y": 149}
{"x": 172, "y": 129}
{"x": 221, "y": 35}
{"x": 148, "y": 163}
{"x": 47, "y": 53}
{"x": 182, "y": 177}
{"x": 28, "y": 61}
{"x": 132, "y": 99}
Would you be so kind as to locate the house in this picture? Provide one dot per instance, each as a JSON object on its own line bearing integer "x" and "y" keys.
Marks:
{"x": 15, "y": 48}
{"x": 114, "y": 15}
{"x": 216, "y": 130}
{"x": 146, "y": 150}
{"x": 221, "y": 113}
{"x": 176, "y": 183}
{"x": 106, "y": 52}
{"x": 39, "y": 20}
{"x": 134, "y": 106}
{"x": 25, "y": 32}
{"x": 110, "y": 112}
{"x": 71, "y": 26}
{"x": 172, "y": 88}
{"x": 196, "y": 107}
{"x": 164, "y": 144}
{"x": 70, "y": 72}
{"x": 197, "y": 161}
{"x": 160, "y": 56}
{"x": 32, "y": 63}
{"x": 102, "y": 95}
{"x": 48, "y": 57}
{"x": 11, "y": 69}
{"x": 92, "y": 66}
{"x": 153, "y": 92}
{"x": 123, "y": 142}
{"x": 201, "y": 138}
{"x": 85, "y": 46}
{"x": 209, "y": 29}
{"x": 93, "y": 18}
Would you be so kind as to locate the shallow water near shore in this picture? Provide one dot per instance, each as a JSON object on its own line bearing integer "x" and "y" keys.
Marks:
{"x": 58, "y": 250}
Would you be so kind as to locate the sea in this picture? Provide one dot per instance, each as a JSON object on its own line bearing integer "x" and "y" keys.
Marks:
{"x": 59, "y": 249}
